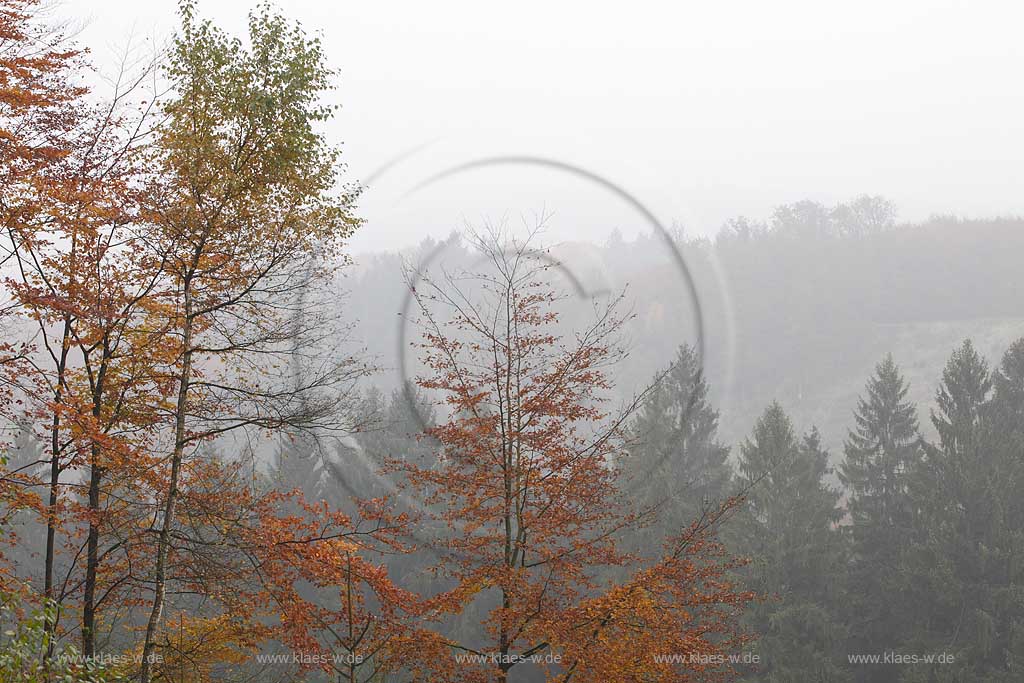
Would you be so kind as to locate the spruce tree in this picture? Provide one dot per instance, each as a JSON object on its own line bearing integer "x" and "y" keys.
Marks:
{"x": 881, "y": 451}
{"x": 405, "y": 415}
{"x": 788, "y": 528}
{"x": 964, "y": 567}
{"x": 675, "y": 462}
{"x": 297, "y": 466}
{"x": 946, "y": 489}
{"x": 1007, "y": 429}
{"x": 1008, "y": 401}
{"x": 965, "y": 386}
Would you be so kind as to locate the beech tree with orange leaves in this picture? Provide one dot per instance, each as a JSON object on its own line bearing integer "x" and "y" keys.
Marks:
{"x": 86, "y": 281}
{"x": 36, "y": 113}
{"x": 70, "y": 166}
{"x": 357, "y": 624}
{"x": 532, "y": 502}
{"x": 82, "y": 278}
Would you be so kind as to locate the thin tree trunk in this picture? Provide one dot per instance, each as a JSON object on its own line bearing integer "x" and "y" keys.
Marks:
{"x": 92, "y": 559}
{"x": 163, "y": 543}
{"x": 351, "y": 623}
{"x": 51, "y": 517}
{"x": 95, "y": 480}
{"x": 92, "y": 543}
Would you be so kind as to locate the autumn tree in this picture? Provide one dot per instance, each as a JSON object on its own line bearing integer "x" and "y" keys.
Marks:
{"x": 78, "y": 279}
{"x": 248, "y": 224}
{"x": 530, "y": 498}
{"x": 196, "y": 280}
{"x": 36, "y": 112}
{"x": 322, "y": 574}
{"x": 36, "y": 119}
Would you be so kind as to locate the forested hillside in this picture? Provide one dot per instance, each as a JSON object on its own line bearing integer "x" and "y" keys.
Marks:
{"x": 798, "y": 308}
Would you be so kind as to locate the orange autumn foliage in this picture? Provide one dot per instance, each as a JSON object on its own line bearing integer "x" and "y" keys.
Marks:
{"x": 155, "y": 269}
{"x": 352, "y": 620}
{"x": 530, "y": 498}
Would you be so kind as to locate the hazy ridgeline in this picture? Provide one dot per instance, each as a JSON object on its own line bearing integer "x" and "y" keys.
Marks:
{"x": 818, "y": 295}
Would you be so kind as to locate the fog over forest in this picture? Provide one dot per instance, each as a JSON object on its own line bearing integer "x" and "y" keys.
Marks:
{"x": 271, "y": 412}
{"x": 800, "y": 305}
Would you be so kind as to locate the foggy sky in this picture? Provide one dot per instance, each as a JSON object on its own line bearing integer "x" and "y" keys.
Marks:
{"x": 702, "y": 110}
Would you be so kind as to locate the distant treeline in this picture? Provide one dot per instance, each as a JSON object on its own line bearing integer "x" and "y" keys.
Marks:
{"x": 817, "y": 295}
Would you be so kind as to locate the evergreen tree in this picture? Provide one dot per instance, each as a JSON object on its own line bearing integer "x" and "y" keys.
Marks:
{"x": 297, "y": 466}
{"x": 394, "y": 431}
{"x": 789, "y": 529}
{"x": 675, "y": 461}
{"x": 1006, "y": 430}
{"x": 880, "y": 451}
{"x": 965, "y": 387}
{"x": 945, "y": 487}
{"x": 963, "y": 566}
{"x": 406, "y": 415}
{"x": 1008, "y": 401}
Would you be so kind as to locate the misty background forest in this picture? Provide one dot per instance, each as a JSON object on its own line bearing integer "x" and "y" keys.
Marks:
{"x": 789, "y": 448}
{"x": 818, "y": 296}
